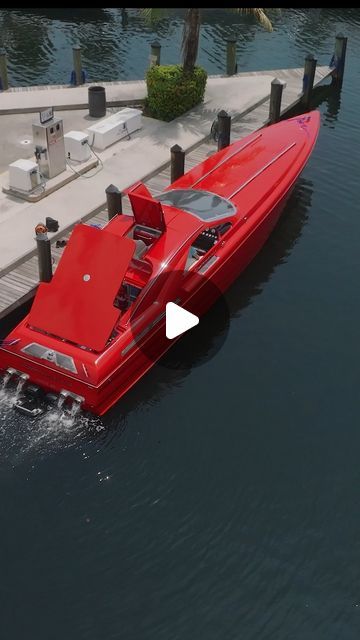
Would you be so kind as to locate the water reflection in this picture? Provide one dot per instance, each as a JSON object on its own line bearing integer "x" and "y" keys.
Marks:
{"x": 116, "y": 42}
{"x": 275, "y": 251}
{"x": 124, "y": 18}
{"x": 332, "y": 98}
{"x": 69, "y": 14}
{"x": 28, "y": 43}
{"x": 328, "y": 95}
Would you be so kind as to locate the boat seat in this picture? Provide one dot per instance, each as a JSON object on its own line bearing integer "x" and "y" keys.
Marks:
{"x": 140, "y": 249}
{"x": 193, "y": 256}
{"x": 147, "y": 234}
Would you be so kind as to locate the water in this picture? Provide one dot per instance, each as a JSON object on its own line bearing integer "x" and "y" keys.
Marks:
{"x": 19, "y": 386}
{"x": 5, "y": 380}
{"x": 60, "y": 402}
{"x": 117, "y": 46}
{"x": 218, "y": 500}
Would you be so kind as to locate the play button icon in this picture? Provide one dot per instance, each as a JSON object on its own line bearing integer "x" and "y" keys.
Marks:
{"x": 164, "y": 329}
{"x": 178, "y": 320}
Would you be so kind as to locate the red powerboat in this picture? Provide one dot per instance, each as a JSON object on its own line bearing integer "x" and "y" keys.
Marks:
{"x": 99, "y": 325}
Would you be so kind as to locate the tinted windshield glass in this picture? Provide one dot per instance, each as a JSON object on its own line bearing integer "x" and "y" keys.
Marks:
{"x": 205, "y": 205}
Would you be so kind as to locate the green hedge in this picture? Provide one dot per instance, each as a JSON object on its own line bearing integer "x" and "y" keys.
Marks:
{"x": 172, "y": 91}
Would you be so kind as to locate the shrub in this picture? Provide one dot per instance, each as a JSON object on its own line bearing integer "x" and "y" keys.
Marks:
{"x": 172, "y": 91}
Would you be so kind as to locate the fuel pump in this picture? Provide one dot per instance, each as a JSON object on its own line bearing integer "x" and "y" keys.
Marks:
{"x": 49, "y": 147}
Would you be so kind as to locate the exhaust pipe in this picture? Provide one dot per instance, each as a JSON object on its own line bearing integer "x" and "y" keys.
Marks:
{"x": 17, "y": 374}
{"x": 68, "y": 395}
{"x": 25, "y": 403}
{"x": 32, "y": 400}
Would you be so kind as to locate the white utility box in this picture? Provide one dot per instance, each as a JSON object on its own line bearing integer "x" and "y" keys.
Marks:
{"x": 24, "y": 175}
{"x": 77, "y": 146}
{"x": 111, "y": 129}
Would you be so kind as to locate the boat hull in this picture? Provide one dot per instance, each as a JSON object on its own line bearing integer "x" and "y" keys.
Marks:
{"x": 145, "y": 353}
{"x": 256, "y": 175}
{"x": 138, "y": 363}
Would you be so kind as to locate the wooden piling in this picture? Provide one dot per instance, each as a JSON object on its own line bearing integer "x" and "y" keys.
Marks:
{"x": 339, "y": 59}
{"x": 155, "y": 52}
{"x": 277, "y": 87}
{"x": 177, "y": 162}
{"x": 308, "y": 79}
{"x": 4, "y": 83}
{"x": 78, "y": 72}
{"x": 231, "y": 64}
{"x": 113, "y": 201}
{"x": 44, "y": 257}
{"x": 224, "y": 129}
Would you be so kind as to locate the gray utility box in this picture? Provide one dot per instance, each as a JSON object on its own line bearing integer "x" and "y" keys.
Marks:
{"x": 49, "y": 148}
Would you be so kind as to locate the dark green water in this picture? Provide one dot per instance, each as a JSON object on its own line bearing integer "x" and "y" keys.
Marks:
{"x": 39, "y": 41}
{"x": 220, "y": 500}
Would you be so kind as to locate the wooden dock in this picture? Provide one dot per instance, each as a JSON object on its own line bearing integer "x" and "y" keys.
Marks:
{"x": 18, "y": 285}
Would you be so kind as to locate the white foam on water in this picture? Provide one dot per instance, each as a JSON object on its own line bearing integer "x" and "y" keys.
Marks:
{"x": 5, "y": 380}
{"x": 58, "y": 429}
{"x": 7, "y": 398}
{"x": 60, "y": 402}
{"x": 18, "y": 389}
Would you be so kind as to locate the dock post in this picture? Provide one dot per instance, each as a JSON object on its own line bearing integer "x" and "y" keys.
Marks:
{"x": 44, "y": 257}
{"x": 339, "y": 59}
{"x": 155, "y": 53}
{"x": 113, "y": 201}
{"x": 224, "y": 128}
{"x": 177, "y": 163}
{"x": 231, "y": 64}
{"x": 4, "y": 83}
{"x": 308, "y": 79}
{"x": 78, "y": 72}
{"x": 277, "y": 87}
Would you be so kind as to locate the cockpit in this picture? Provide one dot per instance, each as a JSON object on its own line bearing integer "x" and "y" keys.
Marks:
{"x": 127, "y": 294}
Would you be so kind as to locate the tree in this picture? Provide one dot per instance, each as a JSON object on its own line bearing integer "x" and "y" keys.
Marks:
{"x": 190, "y": 41}
{"x": 191, "y": 32}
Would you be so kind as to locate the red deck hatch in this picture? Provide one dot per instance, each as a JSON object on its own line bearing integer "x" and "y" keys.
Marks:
{"x": 147, "y": 211}
{"x": 78, "y": 303}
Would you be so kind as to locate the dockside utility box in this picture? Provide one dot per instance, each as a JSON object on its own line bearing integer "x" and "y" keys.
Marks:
{"x": 77, "y": 146}
{"x": 112, "y": 129}
{"x": 24, "y": 175}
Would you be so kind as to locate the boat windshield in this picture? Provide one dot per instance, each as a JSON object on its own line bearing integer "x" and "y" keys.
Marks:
{"x": 203, "y": 204}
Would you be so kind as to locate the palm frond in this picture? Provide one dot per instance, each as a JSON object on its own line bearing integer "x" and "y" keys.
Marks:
{"x": 152, "y": 15}
{"x": 260, "y": 16}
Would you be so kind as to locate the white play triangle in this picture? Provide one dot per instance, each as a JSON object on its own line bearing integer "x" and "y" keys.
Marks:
{"x": 178, "y": 320}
